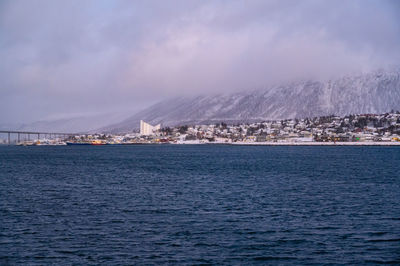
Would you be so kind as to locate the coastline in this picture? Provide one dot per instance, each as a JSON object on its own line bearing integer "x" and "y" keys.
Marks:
{"x": 243, "y": 144}
{"x": 317, "y": 143}
{"x": 310, "y": 143}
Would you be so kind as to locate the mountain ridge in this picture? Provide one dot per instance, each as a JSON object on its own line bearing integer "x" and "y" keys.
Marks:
{"x": 374, "y": 92}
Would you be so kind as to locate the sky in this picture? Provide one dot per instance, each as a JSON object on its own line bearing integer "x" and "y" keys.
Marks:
{"x": 80, "y": 57}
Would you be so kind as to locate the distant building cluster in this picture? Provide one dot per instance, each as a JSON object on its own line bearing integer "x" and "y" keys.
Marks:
{"x": 363, "y": 128}
{"x": 352, "y": 129}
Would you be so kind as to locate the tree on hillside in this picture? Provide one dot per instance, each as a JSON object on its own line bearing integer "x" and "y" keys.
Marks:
{"x": 183, "y": 129}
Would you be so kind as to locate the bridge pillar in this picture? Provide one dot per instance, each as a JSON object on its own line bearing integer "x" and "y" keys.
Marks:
{"x": 18, "y": 138}
{"x": 9, "y": 138}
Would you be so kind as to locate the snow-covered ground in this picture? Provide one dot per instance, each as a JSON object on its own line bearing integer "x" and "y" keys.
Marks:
{"x": 269, "y": 143}
{"x": 319, "y": 143}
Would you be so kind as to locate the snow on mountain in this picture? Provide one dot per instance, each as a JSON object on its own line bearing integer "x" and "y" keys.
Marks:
{"x": 375, "y": 92}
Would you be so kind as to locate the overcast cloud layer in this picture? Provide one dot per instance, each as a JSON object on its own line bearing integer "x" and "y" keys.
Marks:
{"x": 61, "y": 58}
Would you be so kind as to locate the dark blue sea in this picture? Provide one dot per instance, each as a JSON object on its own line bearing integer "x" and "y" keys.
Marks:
{"x": 199, "y": 204}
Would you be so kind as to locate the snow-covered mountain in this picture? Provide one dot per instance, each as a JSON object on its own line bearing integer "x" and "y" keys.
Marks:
{"x": 376, "y": 92}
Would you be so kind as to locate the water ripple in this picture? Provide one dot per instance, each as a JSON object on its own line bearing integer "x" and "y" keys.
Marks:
{"x": 199, "y": 205}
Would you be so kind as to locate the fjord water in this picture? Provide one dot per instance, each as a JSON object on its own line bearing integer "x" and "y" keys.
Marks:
{"x": 178, "y": 204}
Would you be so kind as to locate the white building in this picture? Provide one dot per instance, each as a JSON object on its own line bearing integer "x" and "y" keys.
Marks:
{"x": 146, "y": 129}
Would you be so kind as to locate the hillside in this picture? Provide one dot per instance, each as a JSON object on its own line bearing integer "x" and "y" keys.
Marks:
{"x": 376, "y": 92}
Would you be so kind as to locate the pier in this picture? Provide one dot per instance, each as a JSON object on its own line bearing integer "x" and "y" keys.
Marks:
{"x": 38, "y": 134}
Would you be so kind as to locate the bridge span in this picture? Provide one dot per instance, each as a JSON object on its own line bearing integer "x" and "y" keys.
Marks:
{"x": 29, "y": 133}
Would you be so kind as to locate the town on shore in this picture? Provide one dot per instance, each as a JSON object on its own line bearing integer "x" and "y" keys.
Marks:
{"x": 362, "y": 129}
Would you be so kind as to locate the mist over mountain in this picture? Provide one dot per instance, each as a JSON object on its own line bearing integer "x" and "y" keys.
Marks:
{"x": 72, "y": 124}
{"x": 375, "y": 92}
{"x": 72, "y": 58}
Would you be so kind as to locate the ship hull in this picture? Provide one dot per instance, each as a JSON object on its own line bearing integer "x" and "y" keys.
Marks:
{"x": 77, "y": 143}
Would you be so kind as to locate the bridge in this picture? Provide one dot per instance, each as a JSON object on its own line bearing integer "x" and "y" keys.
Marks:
{"x": 29, "y": 133}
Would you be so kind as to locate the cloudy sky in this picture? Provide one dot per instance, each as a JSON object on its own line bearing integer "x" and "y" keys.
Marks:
{"x": 65, "y": 58}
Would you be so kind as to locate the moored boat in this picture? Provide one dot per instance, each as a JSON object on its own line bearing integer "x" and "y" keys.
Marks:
{"x": 78, "y": 143}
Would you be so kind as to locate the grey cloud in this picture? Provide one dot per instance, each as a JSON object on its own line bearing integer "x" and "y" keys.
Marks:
{"x": 61, "y": 57}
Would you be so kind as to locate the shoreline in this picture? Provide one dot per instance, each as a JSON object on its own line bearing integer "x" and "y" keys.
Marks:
{"x": 318, "y": 144}
{"x": 243, "y": 144}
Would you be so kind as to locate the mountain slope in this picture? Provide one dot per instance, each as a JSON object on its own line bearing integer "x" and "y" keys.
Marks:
{"x": 73, "y": 124}
{"x": 376, "y": 92}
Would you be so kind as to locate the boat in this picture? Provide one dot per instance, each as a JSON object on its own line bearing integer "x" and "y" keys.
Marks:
{"x": 98, "y": 142}
{"x": 78, "y": 143}
{"x": 93, "y": 142}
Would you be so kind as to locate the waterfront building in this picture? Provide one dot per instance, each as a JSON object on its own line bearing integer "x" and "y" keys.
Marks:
{"x": 146, "y": 129}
